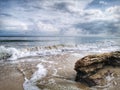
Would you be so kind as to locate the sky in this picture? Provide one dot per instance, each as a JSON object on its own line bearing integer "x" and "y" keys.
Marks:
{"x": 60, "y": 17}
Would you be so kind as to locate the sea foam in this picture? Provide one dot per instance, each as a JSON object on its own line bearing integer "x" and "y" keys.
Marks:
{"x": 31, "y": 84}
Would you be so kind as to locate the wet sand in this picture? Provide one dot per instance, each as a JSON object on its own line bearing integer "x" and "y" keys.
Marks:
{"x": 58, "y": 67}
{"x": 10, "y": 78}
{"x": 60, "y": 74}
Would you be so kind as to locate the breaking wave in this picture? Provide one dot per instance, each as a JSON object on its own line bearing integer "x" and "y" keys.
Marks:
{"x": 10, "y": 53}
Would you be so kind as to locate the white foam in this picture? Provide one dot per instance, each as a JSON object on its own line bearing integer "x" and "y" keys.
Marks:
{"x": 12, "y": 52}
{"x": 109, "y": 78}
{"x": 77, "y": 55}
{"x": 55, "y": 72}
{"x": 39, "y": 74}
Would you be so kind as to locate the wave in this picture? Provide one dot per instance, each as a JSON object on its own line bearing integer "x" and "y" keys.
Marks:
{"x": 31, "y": 84}
{"x": 10, "y": 53}
{"x": 6, "y": 53}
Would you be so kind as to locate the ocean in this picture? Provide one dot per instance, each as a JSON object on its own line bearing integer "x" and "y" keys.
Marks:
{"x": 32, "y": 41}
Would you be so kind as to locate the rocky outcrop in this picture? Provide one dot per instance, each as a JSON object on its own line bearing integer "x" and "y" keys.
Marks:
{"x": 87, "y": 67}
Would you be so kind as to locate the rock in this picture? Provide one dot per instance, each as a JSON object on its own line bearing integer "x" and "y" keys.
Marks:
{"x": 114, "y": 58}
{"x": 81, "y": 77}
{"x": 91, "y": 68}
{"x": 87, "y": 67}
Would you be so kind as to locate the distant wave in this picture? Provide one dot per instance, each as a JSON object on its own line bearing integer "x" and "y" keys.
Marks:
{"x": 26, "y": 40}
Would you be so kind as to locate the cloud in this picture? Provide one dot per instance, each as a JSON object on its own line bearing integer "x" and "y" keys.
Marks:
{"x": 12, "y": 24}
{"x": 71, "y": 32}
{"x": 75, "y": 32}
{"x": 113, "y": 10}
{"x": 103, "y": 2}
{"x": 71, "y": 5}
{"x": 63, "y": 17}
{"x": 109, "y": 14}
{"x": 99, "y": 27}
{"x": 47, "y": 27}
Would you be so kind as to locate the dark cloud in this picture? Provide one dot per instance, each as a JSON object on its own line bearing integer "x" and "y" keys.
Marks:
{"x": 61, "y": 6}
{"x": 6, "y": 14}
{"x": 99, "y": 27}
{"x": 105, "y": 4}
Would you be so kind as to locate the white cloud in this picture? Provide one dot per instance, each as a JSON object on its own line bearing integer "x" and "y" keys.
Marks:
{"x": 81, "y": 4}
{"x": 103, "y": 2}
{"x": 46, "y": 27}
{"x": 71, "y": 32}
{"x": 75, "y": 32}
{"x": 110, "y": 14}
{"x": 77, "y": 5}
{"x": 93, "y": 14}
{"x": 13, "y": 24}
{"x": 113, "y": 13}
{"x": 113, "y": 10}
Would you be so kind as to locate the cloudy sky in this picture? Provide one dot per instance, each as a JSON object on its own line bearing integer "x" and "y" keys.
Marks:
{"x": 60, "y": 17}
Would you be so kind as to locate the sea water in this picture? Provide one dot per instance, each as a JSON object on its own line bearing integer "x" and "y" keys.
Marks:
{"x": 32, "y": 41}
{"x": 22, "y": 46}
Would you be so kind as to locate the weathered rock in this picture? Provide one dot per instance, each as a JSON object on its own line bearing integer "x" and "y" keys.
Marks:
{"x": 91, "y": 68}
{"x": 88, "y": 66}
